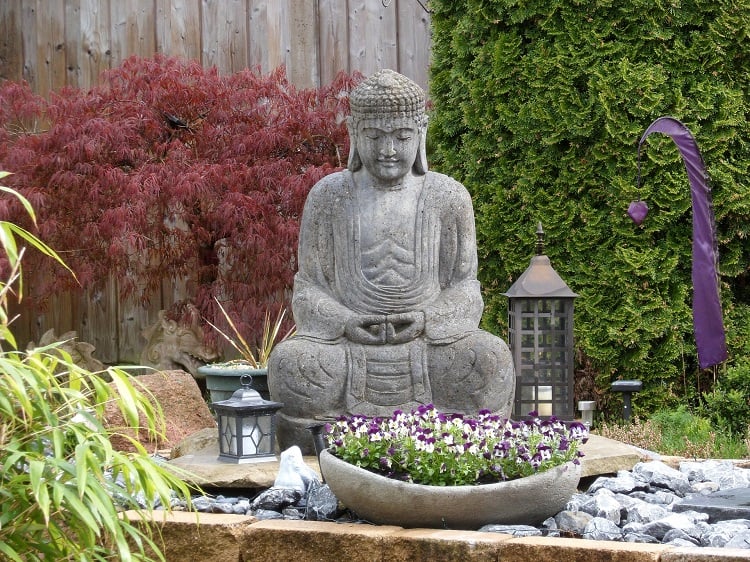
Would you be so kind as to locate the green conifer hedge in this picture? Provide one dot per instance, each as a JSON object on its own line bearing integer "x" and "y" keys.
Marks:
{"x": 538, "y": 108}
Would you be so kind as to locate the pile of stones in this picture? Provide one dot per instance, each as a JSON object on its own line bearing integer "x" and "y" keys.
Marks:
{"x": 700, "y": 504}
{"x": 316, "y": 503}
{"x": 703, "y": 503}
{"x": 297, "y": 493}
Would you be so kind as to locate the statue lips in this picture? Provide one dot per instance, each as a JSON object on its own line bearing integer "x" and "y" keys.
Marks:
{"x": 389, "y": 163}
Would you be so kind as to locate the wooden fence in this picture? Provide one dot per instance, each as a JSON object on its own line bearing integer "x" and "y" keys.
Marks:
{"x": 56, "y": 43}
{"x": 53, "y": 43}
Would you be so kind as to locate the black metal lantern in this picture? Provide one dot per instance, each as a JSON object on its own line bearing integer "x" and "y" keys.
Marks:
{"x": 247, "y": 426}
{"x": 540, "y": 329}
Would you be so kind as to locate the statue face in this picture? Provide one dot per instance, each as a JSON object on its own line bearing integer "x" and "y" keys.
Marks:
{"x": 388, "y": 148}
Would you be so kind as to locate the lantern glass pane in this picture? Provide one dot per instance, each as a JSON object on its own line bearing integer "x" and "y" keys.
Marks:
{"x": 228, "y": 443}
{"x": 527, "y": 407}
{"x": 528, "y": 393}
{"x": 255, "y": 435}
{"x": 528, "y": 305}
{"x": 527, "y": 358}
{"x": 527, "y": 323}
{"x": 545, "y": 305}
{"x": 251, "y": 436}
{"x": 544, "y": 409}
{"x": 527, "y": 340}
{"x": 545, "y": 394}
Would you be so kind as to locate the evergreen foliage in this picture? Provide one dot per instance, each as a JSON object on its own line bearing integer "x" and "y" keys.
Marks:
{"x": 728, "y": 406}
{"x": 167, "y": 170}
{"x": 539, "y": 107}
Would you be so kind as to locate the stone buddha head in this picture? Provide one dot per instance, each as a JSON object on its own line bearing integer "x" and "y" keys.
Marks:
{"x": 387, "y": 127}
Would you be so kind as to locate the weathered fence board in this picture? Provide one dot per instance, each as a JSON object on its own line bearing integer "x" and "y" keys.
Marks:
{"x": 56, "y": 43}
{"x": 53, "y": 43}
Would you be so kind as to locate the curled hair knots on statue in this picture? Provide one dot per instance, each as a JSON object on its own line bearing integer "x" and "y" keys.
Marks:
{"x": 387, "y": 95}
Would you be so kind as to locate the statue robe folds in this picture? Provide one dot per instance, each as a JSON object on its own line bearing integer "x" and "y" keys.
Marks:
{"x": 321, "y": 373}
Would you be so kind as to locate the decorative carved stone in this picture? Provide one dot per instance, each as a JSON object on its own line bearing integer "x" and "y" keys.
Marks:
{"x": 386, "y": 300}
{"x": 172, "y": 345}
{"x": 81, "y": 352}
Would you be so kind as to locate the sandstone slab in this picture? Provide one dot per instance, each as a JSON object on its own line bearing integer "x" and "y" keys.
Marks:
{"x": 607, "y": 456}
{"x": 198, "y": 455}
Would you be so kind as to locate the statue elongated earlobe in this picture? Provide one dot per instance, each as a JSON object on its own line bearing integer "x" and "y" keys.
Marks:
{"x": 420, "y": 164}
{"x": 355, "y": 162}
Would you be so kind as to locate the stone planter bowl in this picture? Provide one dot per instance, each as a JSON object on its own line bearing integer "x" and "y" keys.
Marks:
{"x": 385, "y": 501}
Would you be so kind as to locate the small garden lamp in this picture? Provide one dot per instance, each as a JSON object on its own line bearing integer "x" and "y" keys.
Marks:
{"x": 540, "y": 330}
{"x": 247, "y": 426}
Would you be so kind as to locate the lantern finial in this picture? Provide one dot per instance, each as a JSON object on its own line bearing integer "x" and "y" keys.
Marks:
{"x": 539, "y": 239}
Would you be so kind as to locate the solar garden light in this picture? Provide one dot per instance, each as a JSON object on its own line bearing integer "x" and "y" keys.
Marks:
{"x": 627, "y": 388}
{"x": 247, "y": 425}
{"x": 587, "y": 408}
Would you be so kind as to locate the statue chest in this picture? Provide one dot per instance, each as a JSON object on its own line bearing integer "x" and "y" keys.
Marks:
{"x": 388, "y": 233}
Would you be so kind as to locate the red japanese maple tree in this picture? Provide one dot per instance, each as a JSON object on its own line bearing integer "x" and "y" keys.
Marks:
{"x": 167, "y": 169}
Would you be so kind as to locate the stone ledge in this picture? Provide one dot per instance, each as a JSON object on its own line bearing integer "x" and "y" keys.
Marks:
{"x": 183, "y": 535}
{"x": 237, "y": 538}
{"x": 606, "y": 456}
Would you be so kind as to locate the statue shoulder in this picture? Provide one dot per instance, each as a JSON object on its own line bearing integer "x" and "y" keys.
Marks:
{"x": 447, "y": 188}
{"x": 330, "y": 188}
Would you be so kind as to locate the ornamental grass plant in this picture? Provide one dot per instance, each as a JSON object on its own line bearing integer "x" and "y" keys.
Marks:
{"x": 257, "y": 359}
{"x": 430, "y": 447}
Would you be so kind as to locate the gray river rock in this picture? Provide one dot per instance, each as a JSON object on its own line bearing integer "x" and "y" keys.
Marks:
{"x": 703, "y": 504}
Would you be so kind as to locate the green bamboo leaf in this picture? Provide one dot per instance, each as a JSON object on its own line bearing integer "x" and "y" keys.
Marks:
{"x": 83, "y": 458}
{"x": 100, "y": 502}
{"x": 10, "y": 553}
{"x": 126, "y": 397}
{"x": 8, "y": 242}
{"x": 91, "y": 524}
{"x": 25, "y": 202}
{"x": 123, "y": 548}
{"x": 39, "y": 487}
{"x": 141, "y": 540}
{"x": 58, "y": 494}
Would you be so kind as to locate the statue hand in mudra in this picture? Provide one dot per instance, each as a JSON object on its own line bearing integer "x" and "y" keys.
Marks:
{"x": 379, "y": 329}
{"x": 404, "y": 327}
{"x": 367, "y": 329}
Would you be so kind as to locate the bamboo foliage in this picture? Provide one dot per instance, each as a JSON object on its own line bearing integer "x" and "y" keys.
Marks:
{"x": 61, "y": 482}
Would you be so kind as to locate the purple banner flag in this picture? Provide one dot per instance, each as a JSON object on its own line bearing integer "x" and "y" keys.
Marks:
{"x": 707, "y": 318}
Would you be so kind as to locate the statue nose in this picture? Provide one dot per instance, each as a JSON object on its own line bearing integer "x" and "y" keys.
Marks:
{"x": 388, "y": 148}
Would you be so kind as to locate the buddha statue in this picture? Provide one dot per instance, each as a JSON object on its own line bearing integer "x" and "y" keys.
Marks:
{"x": 386, "y": 300}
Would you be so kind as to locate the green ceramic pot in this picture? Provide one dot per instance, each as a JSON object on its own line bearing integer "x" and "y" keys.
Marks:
{"x": 222, "y": 379}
